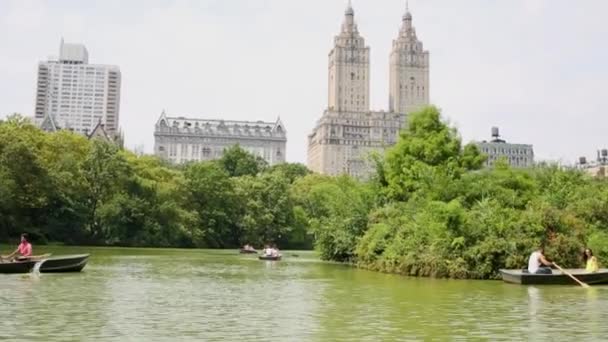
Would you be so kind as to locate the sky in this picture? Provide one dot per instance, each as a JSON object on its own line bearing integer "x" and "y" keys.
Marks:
{"x": 537, "y": 69}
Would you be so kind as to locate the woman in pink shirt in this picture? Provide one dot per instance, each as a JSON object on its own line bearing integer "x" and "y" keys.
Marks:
{"x": 23, "y": 251}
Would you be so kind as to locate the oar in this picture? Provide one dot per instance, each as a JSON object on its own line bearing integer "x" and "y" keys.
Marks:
{"x": 571, "y": 276}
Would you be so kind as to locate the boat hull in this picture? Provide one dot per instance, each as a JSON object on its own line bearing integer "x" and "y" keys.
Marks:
{"x": 557, "y": 278}
{"x": 269, "y": 258}
{"x": 17, "y": 267}
{"x": 68, "y": 263}
{"x": 247, "y": 251}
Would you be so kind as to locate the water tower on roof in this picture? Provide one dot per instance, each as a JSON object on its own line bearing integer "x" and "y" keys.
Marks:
{"x": 602, "y": 156}
{"x": 496, "y": 135}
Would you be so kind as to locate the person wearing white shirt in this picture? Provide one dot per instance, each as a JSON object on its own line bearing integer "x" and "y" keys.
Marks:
{"x": 538, "y": 264}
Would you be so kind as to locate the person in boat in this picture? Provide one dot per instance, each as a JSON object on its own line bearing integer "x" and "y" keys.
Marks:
{"x": 267, "y": 250}
{"x": 590, "y": 261}
{"x": 275, "y": 251}
{"x": 538, "y": 263}
{"x": 248, "y": 247}
{"x": 23, "y": 251}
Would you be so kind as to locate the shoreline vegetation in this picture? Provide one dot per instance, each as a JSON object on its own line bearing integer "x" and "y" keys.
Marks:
{"x": 429, "y": 209}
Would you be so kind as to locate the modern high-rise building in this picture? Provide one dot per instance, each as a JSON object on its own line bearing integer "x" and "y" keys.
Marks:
{"x": 348, "y": 131}
{"x": 181, "y": 139}
{"x": 73, "y": 94}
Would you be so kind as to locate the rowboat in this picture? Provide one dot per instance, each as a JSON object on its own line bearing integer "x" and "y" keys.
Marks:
{"x": 556, "y": 278}
{"x": 21, "y": 264}
{"x": 17, "y": 266}
{"x": 65, "y": 263}
{"x": 37, "y": 257}
{"x": 269, "y": 257}
{"x": 247, "y": 251}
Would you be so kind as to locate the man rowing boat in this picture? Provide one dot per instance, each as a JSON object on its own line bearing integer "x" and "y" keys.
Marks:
{"x": 23, "y": 251}
{"x": 538, "y": 264}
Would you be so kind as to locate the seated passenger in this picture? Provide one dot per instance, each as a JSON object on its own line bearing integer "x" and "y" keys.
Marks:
{"x": 590, "y": 261}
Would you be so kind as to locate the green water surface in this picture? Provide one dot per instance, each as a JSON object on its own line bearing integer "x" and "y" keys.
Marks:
{"x": 128, "y": 294}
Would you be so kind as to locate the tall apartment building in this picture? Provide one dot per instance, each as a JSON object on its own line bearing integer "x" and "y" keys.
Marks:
{"x": 348, "y": 131}
{"x": 73, "y": 94}
{"x": 180, "y": 139}
{"x": 517, "y": 155}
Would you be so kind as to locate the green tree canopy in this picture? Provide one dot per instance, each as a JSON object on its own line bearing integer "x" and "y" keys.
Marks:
{"x": 238, "y": 162}
{"x": 428, "y": 151}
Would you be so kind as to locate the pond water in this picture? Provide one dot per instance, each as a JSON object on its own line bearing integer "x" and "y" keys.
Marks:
{"x": 127, "y": 294}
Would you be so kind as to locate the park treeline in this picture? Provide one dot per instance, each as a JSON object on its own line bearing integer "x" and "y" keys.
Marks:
{"x": 429, "y": 209}
{"x": 63, "y": 187}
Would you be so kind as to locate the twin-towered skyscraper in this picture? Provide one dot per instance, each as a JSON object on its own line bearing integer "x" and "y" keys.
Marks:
{"x": 349, "y": 131}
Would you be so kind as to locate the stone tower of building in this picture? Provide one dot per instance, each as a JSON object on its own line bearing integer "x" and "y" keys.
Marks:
{"x": 409, "y": 70}
{"x": 349, "y": 133}
{"x": 349, "y": 68}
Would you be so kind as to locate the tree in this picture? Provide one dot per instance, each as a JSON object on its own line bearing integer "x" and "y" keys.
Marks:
{"x": 238, "y": 162}
{"x": 291, "y": 171}
{"x": 105, "y": 171}
{"x": 25, "y": 181}
{"x": 266, "y": 210}
{"x": 211, "y": 194}
{"x": 336, "y": 210}
{"x": 63, "y": 155}
{"x": 428, "y": 152}
{"x": 150, "y": 210}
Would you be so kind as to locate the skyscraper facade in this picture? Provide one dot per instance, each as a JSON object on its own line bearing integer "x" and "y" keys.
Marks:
{"x": 73, "y": 94}
{"x": 348, "y": 132}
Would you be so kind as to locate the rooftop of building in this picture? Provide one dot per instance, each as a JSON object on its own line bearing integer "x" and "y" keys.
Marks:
{"x": 600, "y": 160}
{"x": 502, "y": 143}
{"x": 259, "y": 128}
{"x": 74, "y": 54}
{"x": 496, "y": 140}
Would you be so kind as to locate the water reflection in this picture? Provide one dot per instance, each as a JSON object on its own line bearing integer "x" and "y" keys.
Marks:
{"x": 534, "y": 302}
{"x": 593, "y": 308}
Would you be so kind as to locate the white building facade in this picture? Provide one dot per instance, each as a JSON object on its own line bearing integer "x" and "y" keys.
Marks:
{"x": 180, "y": 139}
{"x": 73, "y": 94}
{"x": 348, "y": 132}
{"x": 517, "y": 155}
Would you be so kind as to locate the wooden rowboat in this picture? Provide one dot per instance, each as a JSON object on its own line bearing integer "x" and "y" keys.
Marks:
{"x": 17, "y": 266}
{"x": 21, "y": 264}
{"x": 37, "y": 257}
{"x": 269, "y": 257}
{"x": 556, "y": 278}
{"x": 65, "y": 263}
{"x": 247, "y": 251}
